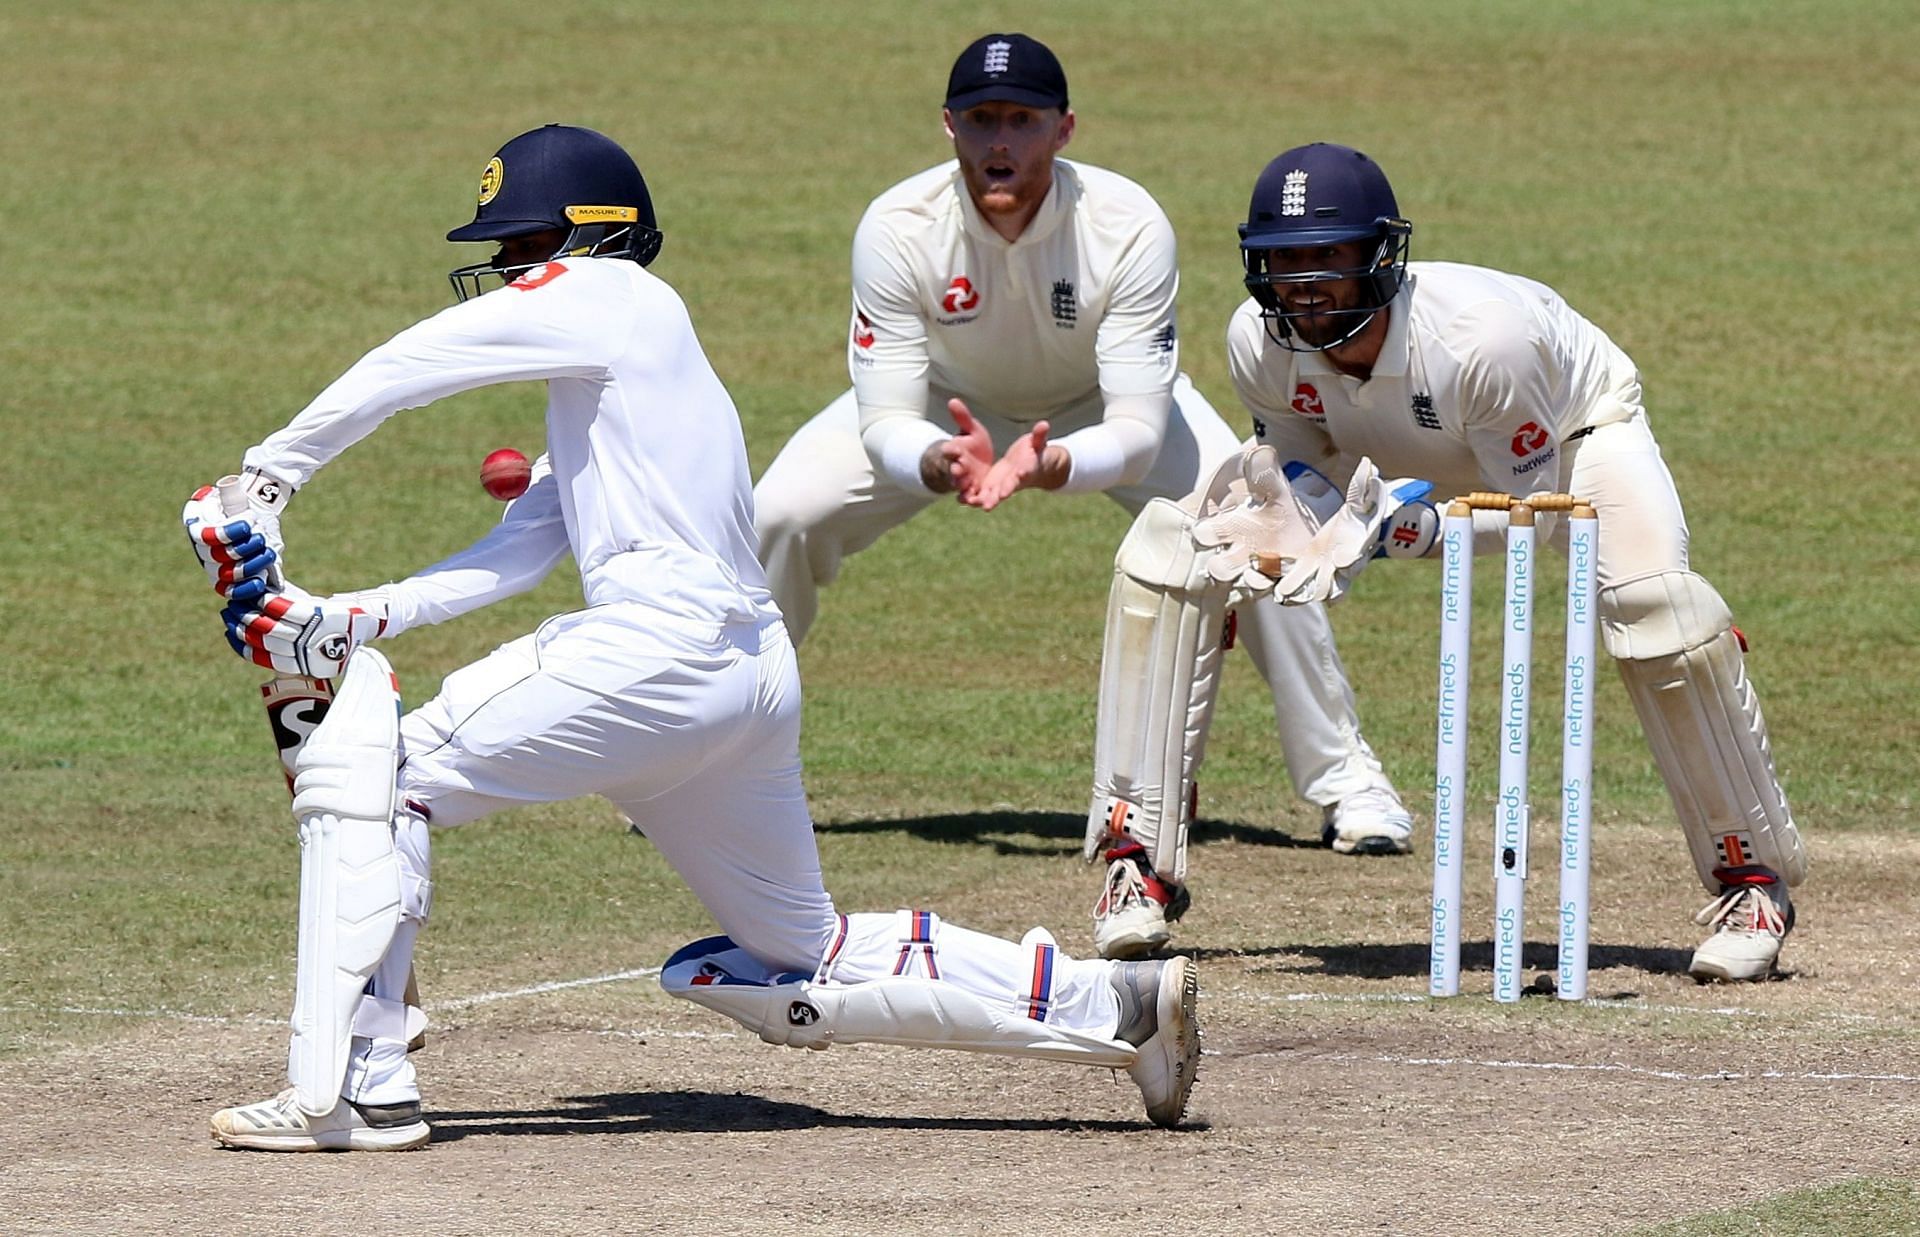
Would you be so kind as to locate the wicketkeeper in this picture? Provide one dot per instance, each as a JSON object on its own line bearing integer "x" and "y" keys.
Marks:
{"x": 674, "y": 694}
{"x": 1347, "y": 354}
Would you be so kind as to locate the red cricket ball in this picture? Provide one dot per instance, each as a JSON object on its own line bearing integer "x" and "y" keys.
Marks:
{"x": 505, "y": 474}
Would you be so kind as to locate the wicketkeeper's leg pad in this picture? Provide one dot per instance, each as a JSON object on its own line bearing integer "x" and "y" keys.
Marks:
{"x": 800, "y": 1011}
{"x": 1159, "y": 675}
{"x": 1684, "y": 668}
{"x": 351, "y": 880}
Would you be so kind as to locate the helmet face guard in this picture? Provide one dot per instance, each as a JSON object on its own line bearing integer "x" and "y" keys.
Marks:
{"x": 1309, "y": 199}
{"x": 633, "y": 241}
{"x": 559, "y": 178}
{"x": 1380, "y": 277}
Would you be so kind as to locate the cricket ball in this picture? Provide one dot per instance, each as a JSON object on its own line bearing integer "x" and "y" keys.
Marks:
{"x": 505, "y": 474}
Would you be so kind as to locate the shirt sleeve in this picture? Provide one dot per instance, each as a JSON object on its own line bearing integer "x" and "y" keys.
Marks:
{"x": 1137, "y": 351}
{"x": 1261, "y": 380}
{"x": 516, "y": 554}
{"x": 887, "y": 356}
{"x": 539, "y": 327}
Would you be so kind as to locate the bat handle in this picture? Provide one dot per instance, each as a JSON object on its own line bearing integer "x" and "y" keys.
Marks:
{"x": 233, "y": 494}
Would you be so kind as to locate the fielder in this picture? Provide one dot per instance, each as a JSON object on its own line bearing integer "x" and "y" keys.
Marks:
{"x": 1013, "y": 329}
{"x": 674, "y": 694}
{"x": 1347, "y": 354}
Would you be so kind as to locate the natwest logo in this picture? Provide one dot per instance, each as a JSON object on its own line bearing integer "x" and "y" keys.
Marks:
{"x": 961, "y": 297}
{"x": 862, "y": 331}
{"x": 1306, "y": 401}
{"x": 1529, "y": 438}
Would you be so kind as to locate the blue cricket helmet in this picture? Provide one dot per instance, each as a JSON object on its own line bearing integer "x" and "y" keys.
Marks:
{"x": 1315, "y": 196}
{"x": 560, "y": 177}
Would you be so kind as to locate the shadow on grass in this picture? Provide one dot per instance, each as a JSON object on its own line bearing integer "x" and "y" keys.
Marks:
{"x": 707, "y": 1112}
{"x": 1410, "y": 959}
{"x": 1011, "y": 833}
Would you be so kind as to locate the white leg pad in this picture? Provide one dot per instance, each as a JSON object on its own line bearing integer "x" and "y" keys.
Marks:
{"x": 799, "y": 1011}
{"x": 1674, "y": 638}
{"x": 1159, "y": 675}
{"x": 350, "y": 873}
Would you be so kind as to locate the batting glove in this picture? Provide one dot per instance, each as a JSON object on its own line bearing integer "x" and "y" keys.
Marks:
{"x": 294, "y": 632}
{"x": 234, "y": 528}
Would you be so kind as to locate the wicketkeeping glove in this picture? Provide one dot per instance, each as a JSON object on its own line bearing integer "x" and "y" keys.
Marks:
{"x": 294, "y": 632}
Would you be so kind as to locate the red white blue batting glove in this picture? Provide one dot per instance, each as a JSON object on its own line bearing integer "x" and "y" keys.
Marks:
{"x": 293, "y": 632}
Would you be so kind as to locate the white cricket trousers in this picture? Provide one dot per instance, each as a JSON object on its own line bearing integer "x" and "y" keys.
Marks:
{"x": 695, "y": 734}
{"x": 821, "y": 500}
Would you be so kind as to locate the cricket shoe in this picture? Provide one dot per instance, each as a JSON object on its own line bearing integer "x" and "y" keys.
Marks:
{"x": 1750, "y": 921}
{"x": 279, "y": 1125}
{"x": 1136, "y": 908}
{"x": 1368, "y": 822}
{"x": 1159, "y": 1016}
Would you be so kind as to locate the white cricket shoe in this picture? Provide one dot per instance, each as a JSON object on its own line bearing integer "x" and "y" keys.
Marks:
{"x": 1136, "y": 909}
{"x": 1749, "y": 925}
{"x": 1159, "y": 1016}
{"x": 1368, "y": 822}
{"x": 279, "y": 1125}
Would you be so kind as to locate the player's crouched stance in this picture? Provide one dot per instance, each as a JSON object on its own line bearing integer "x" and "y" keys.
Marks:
{"x": 674, "y": 694}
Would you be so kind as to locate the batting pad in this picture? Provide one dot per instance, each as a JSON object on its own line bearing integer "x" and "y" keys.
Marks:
{"x": 1159, "y": 674}
{"x": 1683, "y": 667}
{"x": 350, "y": 894}
{"x": 795, "y": 1010}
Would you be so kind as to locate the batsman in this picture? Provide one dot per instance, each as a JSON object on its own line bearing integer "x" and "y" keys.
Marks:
{"x": 1346, "y": 353}
{"x": 674, "y": 693}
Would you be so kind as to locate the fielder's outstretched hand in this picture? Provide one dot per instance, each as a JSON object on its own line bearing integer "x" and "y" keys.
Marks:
{"x": 968, "y": 454}
{"x": 294, "y": 632}
{"x": 1019, "y": 468}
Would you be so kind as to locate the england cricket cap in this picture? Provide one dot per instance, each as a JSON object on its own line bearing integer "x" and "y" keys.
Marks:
{"x": 1010, "y": 67}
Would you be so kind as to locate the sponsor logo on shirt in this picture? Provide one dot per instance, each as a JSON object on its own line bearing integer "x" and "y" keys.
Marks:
{"x": 961, "y": 296}
{"x": 1529, "y": 438}
{"x": 1259, "y": 429}
{"x": 1306, "y": 402}
{"x": 862, "y": 331}
{"x": 1064, "y": 310}
{"x": 1540, "y": 460}
{"x": 1423, "y": 414}
{"x": 539, "y": 277}
{"x": 1163, "y": 339}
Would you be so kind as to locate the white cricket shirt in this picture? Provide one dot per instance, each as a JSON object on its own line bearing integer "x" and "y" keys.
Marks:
{"x": 1482, "y": 377}
{"x": 649, "y": 486}
{"x": 1072, "y": 322}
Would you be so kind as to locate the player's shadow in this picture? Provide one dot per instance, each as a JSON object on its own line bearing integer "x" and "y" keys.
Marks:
{"x": 1045, "y": 833}
{"x": 708, "y": 1112}
{"x": 1397, "y": 961}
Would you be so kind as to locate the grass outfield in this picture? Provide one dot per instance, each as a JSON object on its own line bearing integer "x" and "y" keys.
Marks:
{"x": 215, "y": 207}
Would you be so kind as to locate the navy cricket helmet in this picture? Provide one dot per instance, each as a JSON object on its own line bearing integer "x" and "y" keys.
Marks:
{"x": 1309, "y": 198}
{"x": 560, "y": 177}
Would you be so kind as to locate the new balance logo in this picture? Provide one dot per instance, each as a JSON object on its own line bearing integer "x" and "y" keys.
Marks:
{"x": 1163, "y": 339}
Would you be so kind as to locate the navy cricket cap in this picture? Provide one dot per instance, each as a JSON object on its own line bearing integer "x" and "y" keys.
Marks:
{"x": 557, "y": 176}
{"x": 1010, "y": 67}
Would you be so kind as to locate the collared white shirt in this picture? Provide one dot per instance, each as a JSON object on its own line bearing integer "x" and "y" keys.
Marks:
{"x": 1073, "y": 320}
{"x": 1480, "y": 381}
{"x": 645, "y": 478}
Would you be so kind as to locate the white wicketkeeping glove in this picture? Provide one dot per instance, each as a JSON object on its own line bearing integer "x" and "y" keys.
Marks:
{"x": 1354, "y": 532}
{"x": 1258, "y": 523}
